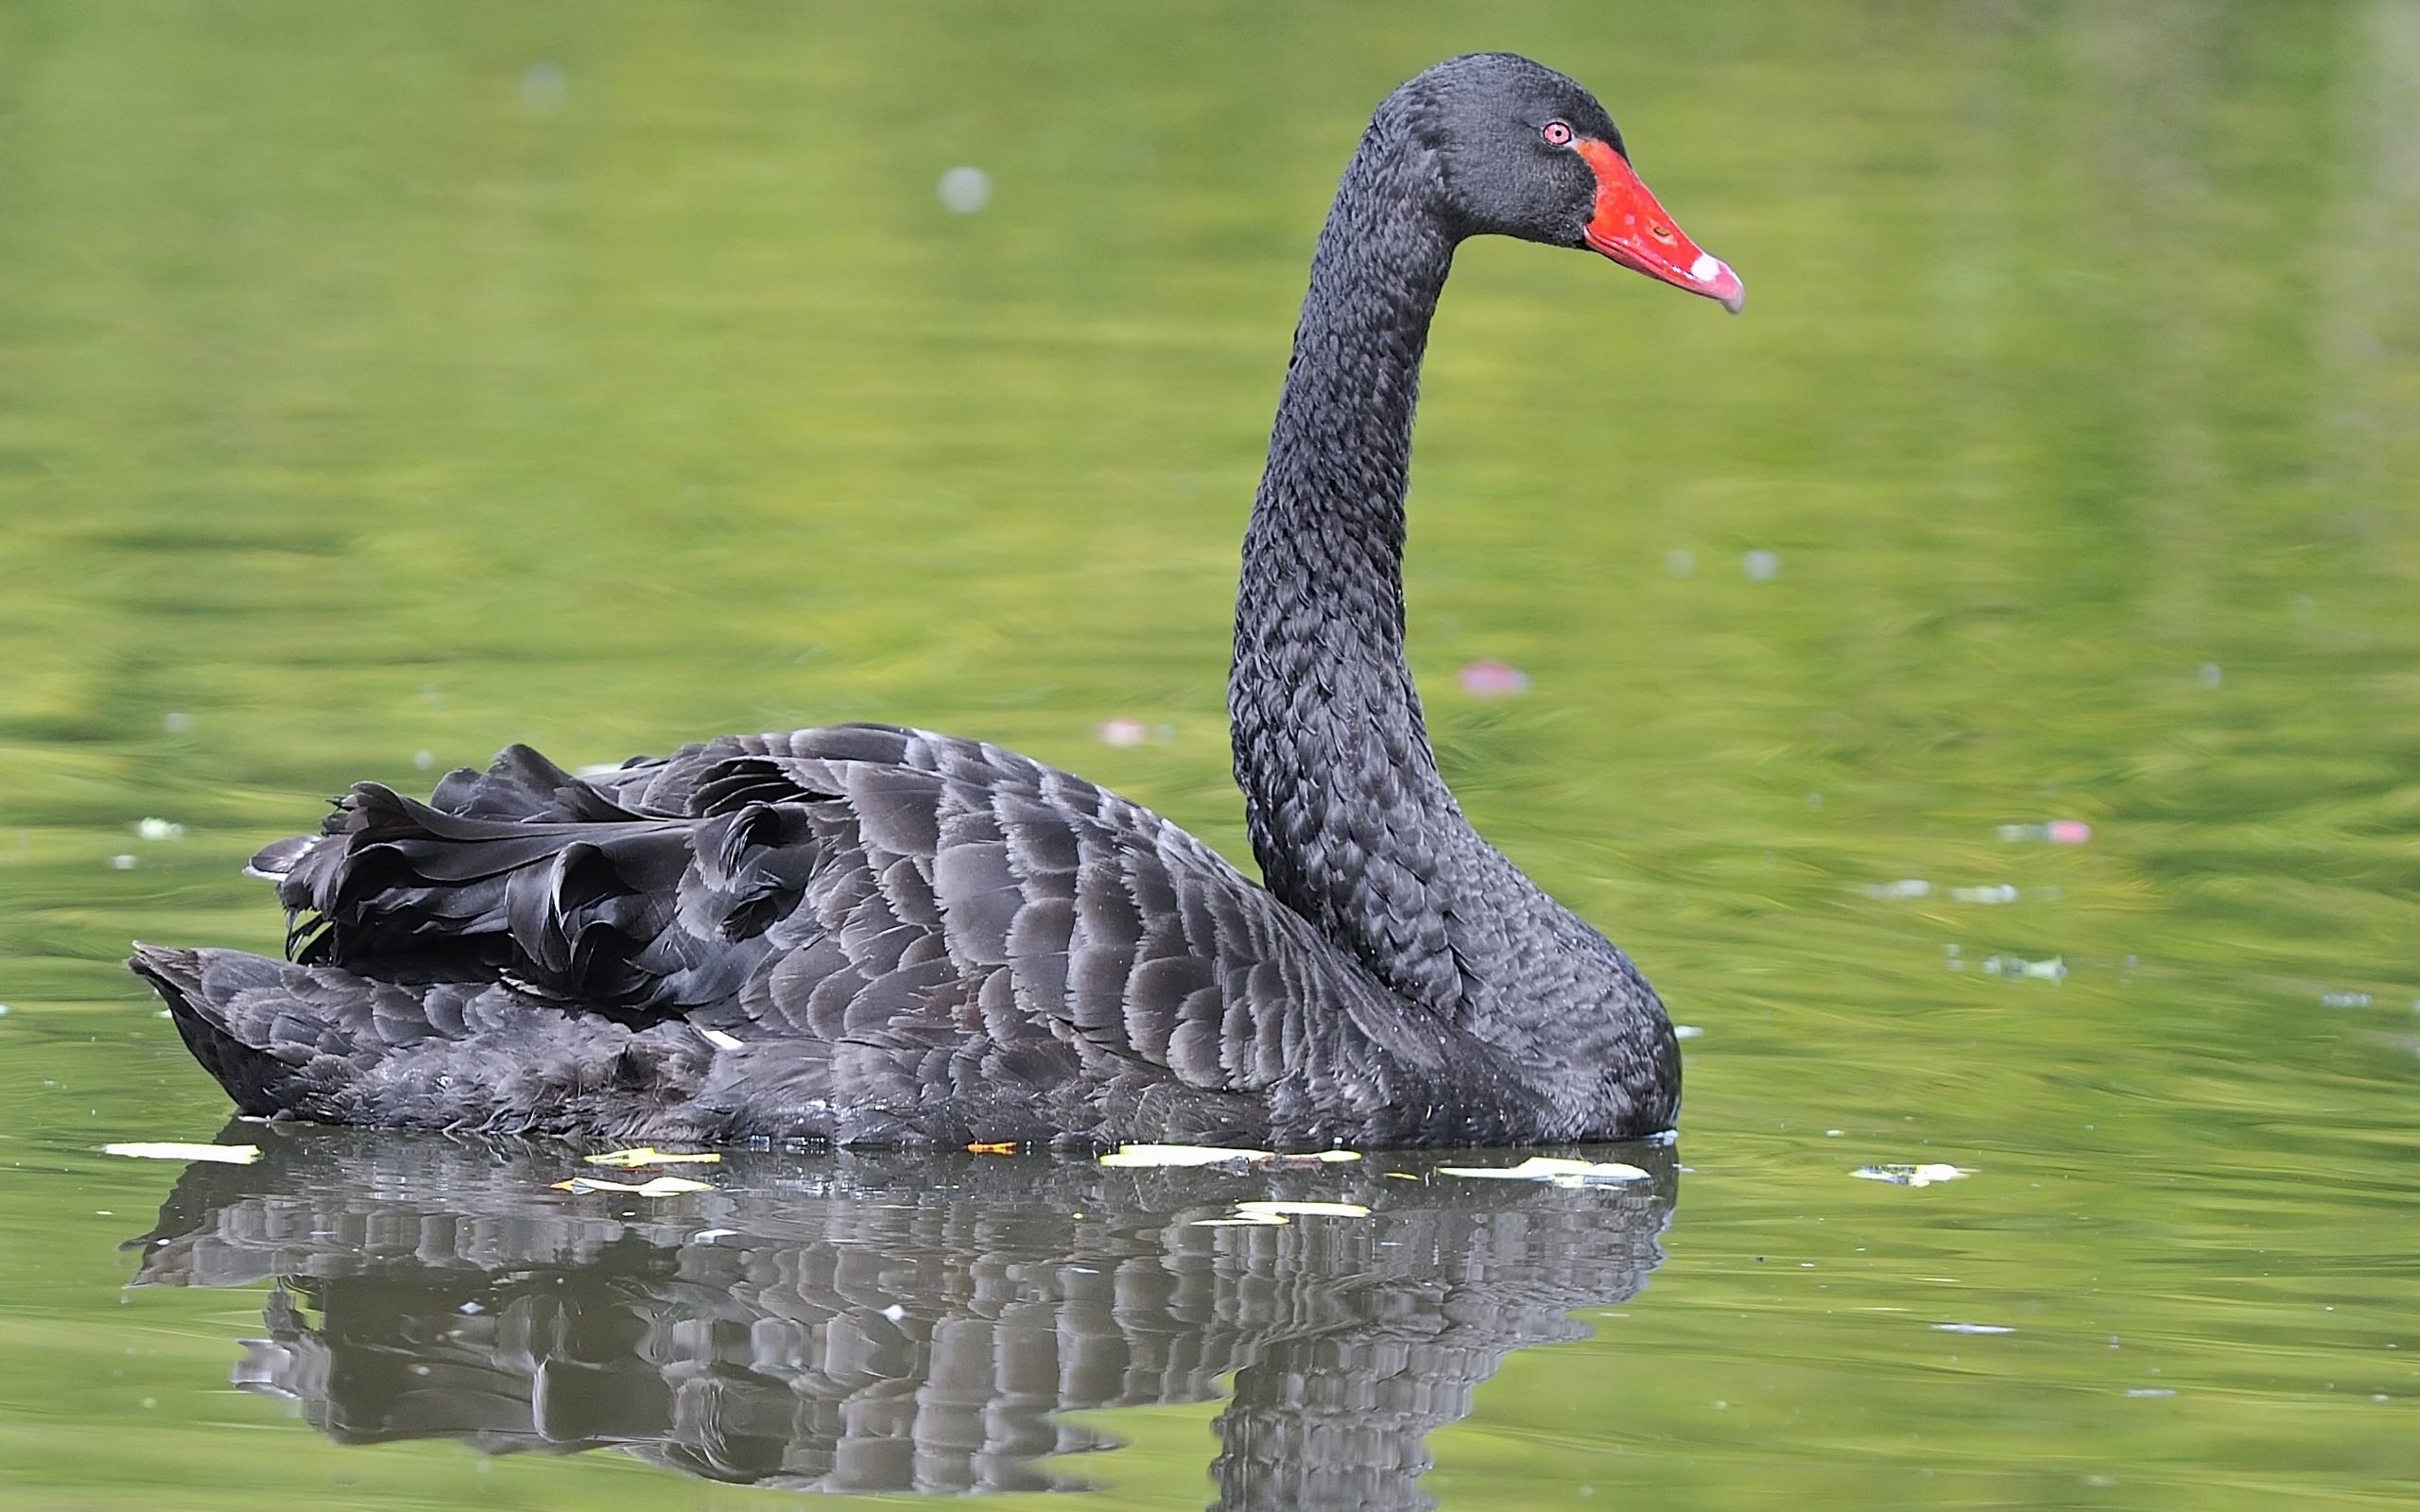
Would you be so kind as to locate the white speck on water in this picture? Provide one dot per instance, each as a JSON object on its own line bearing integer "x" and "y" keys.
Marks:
{"x": 4, "y": 1010}
{"x": 1831, "y": 1133}
{"x": 2343, "y": 1000}
{"x": 1909, "y": 1175}
{"x": 1972, "y": 1328}
{"x": 423, "y": 760}
{"x": 2013, "y": 967}
{"x": 2149, "y": 1391}
{"x": 2056, "y": 832}
{"x": 1181, "y": 1154}
{"x": 1554, "y": 1171}
{"x": 175, "y": 724}
{"x": 1680, "y": 563}
{"x": 159, "y": 830}
{"x": 1760, "y": 565}
{"x": 174, "y": 1150}
{"x": 965, "y": 190}
{"x": 2210, "y": 675}
{"x": 1122, "y": 731}
{"x": 1998, "y": 892}
{"x": 1904, "y": 888}
{"x": 1686, "y": 1031}
{"x": 122, "y": 863}
{"x": 1277, "y": 1215}
{"x": 1814, "y": 800}
{"x": 544, "y": 87}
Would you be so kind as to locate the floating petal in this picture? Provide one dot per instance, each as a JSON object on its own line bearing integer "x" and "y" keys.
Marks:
{"x": 1559, "y": 1172}
{"x": 1910, "y": 1176}
{"x": 170, "y": 1150}
{"x": 1972, "y": 1328}
{"x": 1178, "y": 1155}
{"x": 1274, "y": 1215}
{"x": 662, "y": 1186}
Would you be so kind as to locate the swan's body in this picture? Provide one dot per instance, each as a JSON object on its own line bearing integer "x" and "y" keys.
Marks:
{"x": 884, "y": 937}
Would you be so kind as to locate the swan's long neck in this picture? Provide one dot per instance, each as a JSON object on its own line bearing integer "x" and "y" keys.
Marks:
{"x": 1350, "y": 821}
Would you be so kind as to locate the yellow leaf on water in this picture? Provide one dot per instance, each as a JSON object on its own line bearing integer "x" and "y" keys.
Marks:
{"x": 649, "y": 1155}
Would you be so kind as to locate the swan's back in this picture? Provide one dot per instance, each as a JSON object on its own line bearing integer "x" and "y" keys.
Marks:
{"x": 856, "y": 932}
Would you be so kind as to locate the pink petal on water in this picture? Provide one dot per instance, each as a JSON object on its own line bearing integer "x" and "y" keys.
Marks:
{"x": 1492, "y": 679}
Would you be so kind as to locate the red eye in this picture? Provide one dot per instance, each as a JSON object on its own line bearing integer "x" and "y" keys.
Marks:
{"x": 1557, "y": 133}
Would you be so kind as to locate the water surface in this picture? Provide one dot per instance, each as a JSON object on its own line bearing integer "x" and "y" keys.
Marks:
{"x": 381, "y": 386}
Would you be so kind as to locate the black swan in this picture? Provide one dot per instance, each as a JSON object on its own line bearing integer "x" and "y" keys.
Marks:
{"x": 881, "y": 937}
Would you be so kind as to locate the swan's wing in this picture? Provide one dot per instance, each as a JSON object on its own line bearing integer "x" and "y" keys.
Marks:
{"x": 932, "y": 936}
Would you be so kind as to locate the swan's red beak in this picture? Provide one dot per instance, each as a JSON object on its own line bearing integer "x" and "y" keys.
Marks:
{"x": 1631, "y": 229}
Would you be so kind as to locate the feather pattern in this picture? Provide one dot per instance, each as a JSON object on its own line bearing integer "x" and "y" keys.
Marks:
{"x": 897, "y": 936}
{"x": 879, "y": 935}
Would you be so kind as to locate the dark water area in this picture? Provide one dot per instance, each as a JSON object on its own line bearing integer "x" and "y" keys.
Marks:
{"x": 1979, "y": 686}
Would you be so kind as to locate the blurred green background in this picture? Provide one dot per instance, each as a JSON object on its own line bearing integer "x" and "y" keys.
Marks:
{"x": 381, "y": 385}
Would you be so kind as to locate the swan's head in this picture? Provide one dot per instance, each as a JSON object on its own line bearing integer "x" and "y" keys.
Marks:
{"x": 1522, "y": 151}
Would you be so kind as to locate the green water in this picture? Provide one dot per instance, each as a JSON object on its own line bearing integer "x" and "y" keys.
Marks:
{"x": 379, "y": 385}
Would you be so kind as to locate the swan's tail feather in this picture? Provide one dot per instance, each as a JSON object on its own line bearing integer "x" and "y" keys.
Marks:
{"x": 637, "y": 913}
{"x": 235, "y": 1012}
{"x": 333, "y": 1046}
{"x": 522, "y": 784}
{"x": 273, "y": 861}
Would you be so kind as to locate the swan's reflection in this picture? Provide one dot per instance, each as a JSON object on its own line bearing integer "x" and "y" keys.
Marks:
{"x": 893, "y": 1323}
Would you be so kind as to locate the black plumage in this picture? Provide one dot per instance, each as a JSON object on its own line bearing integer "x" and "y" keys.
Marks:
{"x": 876, "y": 936}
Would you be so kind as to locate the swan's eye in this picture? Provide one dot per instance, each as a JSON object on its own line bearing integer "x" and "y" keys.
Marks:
{"x": 1556, "y": 133}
